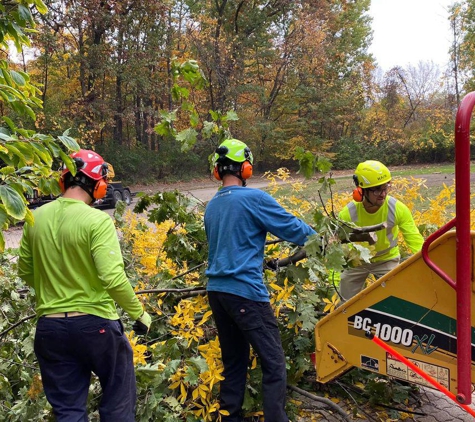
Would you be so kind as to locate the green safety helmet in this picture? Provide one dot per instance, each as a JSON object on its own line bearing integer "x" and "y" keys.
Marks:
{"x": 234, "y": 150}
{"x": 233, "y": 157}
{"x": 371, "y": 173}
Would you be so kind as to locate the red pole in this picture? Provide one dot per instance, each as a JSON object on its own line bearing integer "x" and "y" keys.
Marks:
{"x": 419, "y": 371}
{"x": 425, "y": 253}
{"x": 464, "y": 252}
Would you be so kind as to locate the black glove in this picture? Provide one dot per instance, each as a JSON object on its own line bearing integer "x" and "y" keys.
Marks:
{"x": 142, "y": 325}
{"x": 271, "y": 264}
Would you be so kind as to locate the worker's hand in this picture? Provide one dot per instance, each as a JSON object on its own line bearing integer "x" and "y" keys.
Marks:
{"x": 142, "y": 325}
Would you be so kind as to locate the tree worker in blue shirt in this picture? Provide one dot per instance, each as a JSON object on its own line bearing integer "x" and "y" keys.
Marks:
{"x": 237, "y": 220}
{"x": 71, "y": 257}
{"x": 373, "y": 205}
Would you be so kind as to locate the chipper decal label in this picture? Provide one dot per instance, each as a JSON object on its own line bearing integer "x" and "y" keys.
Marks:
{"x": 405, "y": 324}
{"x": 370, "y": 363}
{"x": 397, "y": 369}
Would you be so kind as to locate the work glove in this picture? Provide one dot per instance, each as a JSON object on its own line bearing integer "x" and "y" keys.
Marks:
{"x": 271, "y": 264}
{"x": 142, "y": 325}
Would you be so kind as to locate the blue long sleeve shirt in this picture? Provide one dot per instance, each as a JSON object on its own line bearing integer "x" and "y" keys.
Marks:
{"x": 237, "y": 221}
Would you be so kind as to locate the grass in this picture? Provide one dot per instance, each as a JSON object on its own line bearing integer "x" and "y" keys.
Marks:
{"x": 313, "y": 190}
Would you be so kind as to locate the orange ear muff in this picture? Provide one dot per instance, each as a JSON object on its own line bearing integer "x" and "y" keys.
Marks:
{"x": 61, "y": 184}
{"x": 246, "y": 170}
{"x": 100, "y": 189}
{"x": 216, "y": 173}
{"x": 358, "y": 194}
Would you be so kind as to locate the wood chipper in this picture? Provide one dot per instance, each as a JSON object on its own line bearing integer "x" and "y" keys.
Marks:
{"x": 416, "y": 323}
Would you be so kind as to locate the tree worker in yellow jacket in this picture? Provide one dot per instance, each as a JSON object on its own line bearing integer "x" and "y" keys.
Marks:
{"x": 373, "y": 205}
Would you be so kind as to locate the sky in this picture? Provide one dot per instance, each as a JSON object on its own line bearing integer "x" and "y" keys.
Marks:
{"x": 408, "y": 31}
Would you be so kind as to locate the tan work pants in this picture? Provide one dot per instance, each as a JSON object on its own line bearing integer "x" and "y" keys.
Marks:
{"x": 353, "y": 279}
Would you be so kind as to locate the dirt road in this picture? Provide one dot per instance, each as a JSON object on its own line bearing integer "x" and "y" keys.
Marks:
{"x": 204, "y": 190}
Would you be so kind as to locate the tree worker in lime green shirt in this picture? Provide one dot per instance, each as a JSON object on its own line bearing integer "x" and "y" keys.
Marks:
{"x": 71, "y": 257}
{"x": 372, "y": 205}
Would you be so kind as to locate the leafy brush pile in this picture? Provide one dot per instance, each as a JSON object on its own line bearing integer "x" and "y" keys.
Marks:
{"x": 178, "y": 363}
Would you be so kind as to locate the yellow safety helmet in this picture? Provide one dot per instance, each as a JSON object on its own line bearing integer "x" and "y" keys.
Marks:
{"x": 371, "y": 173}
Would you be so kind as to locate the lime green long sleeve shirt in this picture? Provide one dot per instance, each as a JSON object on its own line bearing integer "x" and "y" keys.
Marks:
{"x": 71, "y": 256}
{"x": 398, "y": 219}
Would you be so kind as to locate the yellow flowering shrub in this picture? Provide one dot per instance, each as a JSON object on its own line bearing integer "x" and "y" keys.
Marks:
{"x": 140, "y": 350}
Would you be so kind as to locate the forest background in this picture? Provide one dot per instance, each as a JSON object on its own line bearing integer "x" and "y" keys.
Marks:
{"x": 277, "y": 74}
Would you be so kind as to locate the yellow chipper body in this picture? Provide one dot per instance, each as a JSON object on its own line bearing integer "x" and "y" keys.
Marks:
{"x": 413, "y": 310}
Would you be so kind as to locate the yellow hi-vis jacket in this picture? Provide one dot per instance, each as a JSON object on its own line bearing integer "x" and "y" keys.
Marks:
{"x": 397, "y": 217}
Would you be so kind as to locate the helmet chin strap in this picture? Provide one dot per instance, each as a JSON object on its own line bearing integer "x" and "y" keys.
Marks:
{"x": 367, "y": 199}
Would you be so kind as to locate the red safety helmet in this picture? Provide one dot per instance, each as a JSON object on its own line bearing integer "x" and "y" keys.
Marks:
{"x": 92, "y": 165}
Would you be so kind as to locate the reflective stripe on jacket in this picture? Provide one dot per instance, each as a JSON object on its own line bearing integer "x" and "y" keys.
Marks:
{"x": 397, "y": 217}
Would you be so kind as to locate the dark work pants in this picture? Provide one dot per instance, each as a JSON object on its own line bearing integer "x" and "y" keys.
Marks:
{"x": 69, "y": 349}
{"x": 242, "y": 322}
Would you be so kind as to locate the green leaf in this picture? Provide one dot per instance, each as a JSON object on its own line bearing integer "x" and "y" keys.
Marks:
{"x": 10, "y": 124}
{"x": 191, "y": 376}
{"x": 209, "y": 129}
{"x": 7, "y": 76}
{"x": 306, "y": 161}
{"x": 68, "y": 162}
{"x": 7, "y": 170}
{"x": 68, "y": 142}
{"x": 40, "y": 6}
{"x": 42, "y": 153}
{"x": 324, "y": 165}
{"x": 19, "y": 79}
{"x": 15, "y": 152}
{"x": 5, "y": 137}
{"x": 199, "y": 363}
{"x": 214, "y": 115}
{"x": 194, "y": 119}
{"x": 25, "y": 14}
{"x": 13, "y": 202}
{"x": 25, "y": 150}
{"x": 3, "y": 217}
{"x": 231, "y": 116}
{"x": 365, "y": 253}
{"x": 334, "y": 257}
{"x": 187, "y": 138}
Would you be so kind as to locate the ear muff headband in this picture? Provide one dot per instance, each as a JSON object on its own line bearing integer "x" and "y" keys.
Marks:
{"x": 100, "y": 188}
{"x": 245, "y": 170}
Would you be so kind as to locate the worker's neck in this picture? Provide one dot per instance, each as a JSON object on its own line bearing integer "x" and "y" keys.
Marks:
{"x": 369, "y": 207}
{"x": 76, "y": 192}
{"x": 231, "y": 180}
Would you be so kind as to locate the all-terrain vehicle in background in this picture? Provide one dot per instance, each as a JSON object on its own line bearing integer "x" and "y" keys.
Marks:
{"x": 115, "y": 192}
